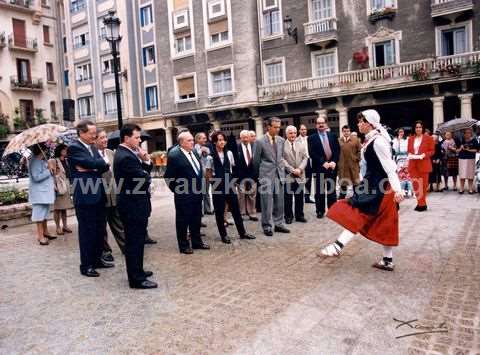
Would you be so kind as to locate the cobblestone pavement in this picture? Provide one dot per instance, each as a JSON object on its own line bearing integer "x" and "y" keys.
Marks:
{"x": 266, "y": 296}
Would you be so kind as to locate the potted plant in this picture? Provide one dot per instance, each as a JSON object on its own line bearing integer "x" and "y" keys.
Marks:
{"x": 4, "y": 129}
{"x": 39, "y": 118}
{"x": 18, "y": 121}
{"x": 420, "y": 74}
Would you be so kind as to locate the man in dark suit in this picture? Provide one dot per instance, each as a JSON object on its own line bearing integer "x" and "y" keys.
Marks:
{"x": 86, "y": 169}
{"x": 245, "y": 173}
{"x": 324, "y": 151}
{"x": 131, "y": 169}
{"x": 184, "y": 178}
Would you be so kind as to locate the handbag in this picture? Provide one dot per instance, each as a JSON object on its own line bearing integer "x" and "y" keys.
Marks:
{"x": 60, "y": 179}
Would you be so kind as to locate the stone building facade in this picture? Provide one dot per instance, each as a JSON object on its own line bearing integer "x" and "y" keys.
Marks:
{"x": 230, "y": 64}
{"x": 30, "y": 90}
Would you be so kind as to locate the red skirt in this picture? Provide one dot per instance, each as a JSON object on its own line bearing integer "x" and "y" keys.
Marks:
{"x": 381, "y": 228}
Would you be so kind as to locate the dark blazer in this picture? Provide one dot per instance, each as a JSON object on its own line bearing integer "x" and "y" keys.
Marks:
{"x": 317, "y": 154}
{"x": 91, "y": 180}
{"x": 242, "y": 170}
{"x": 180, "y": 173}
{"x": 133, "y": 181}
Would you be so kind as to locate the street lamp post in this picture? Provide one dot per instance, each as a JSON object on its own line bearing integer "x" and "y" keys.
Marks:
{"x": 112, "y": 25}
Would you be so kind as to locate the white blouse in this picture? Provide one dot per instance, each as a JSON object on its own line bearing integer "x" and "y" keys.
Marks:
{"x": 416, "y": 144}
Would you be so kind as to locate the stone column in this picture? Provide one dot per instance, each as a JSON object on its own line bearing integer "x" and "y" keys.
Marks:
{"x": 437, "y": 111}
{"x": 342, "y": 117}
{"x": 168, "y": 137}
{"x": 258, "y": 126}
{"x": 466, "y": 105}
{"x": 215, "y": 125}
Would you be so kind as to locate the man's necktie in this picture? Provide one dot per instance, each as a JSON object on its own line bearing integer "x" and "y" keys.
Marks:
{"x": 249, "y": 157}
{"x": 274, "y": 146}
{"x": 326, "y": 146}
{"x": 293, "y": 149}
{"x": 196, "y": 167}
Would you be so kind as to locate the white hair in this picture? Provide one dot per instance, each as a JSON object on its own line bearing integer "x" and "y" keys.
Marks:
{"x": 244, "y": 133}
{"x": 290, "y": 128}
{"x": 182, "y": 136}
{"x": 252, "y": 132}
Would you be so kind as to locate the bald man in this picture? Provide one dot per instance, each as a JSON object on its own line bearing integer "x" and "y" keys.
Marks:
{"x": 184, "y": 178}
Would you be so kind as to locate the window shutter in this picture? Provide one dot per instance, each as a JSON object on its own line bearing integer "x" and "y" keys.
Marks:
{"x": 186, "y": 86}
{"x": 218, "y": 27}
{"x": 46, "y": 34}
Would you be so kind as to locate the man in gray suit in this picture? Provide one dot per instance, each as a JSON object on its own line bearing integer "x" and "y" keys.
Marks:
{"x": 268, "y": 162}
{"x": 295, "y": 159}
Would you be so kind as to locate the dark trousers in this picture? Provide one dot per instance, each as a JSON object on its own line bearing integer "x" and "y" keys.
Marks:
{"x": 308, "y": 181}
{"x": 219, "y": 201}
{"x": 188, "y": 216}
{"x": 135, "y": 230}
{"x": 325, "y": 184}
{"x": 91, "y": 228}
{"x": 116, "y": 227}
{"x": 293, "y": 191}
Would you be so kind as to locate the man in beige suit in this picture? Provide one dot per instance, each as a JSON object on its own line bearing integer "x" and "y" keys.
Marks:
{"x": 295, "y": 159}
{"x": 113, "y": 218}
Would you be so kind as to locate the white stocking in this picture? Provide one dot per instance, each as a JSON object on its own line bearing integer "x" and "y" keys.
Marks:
{"x": 387, "y": 252}
{"x": 345, "y": 237}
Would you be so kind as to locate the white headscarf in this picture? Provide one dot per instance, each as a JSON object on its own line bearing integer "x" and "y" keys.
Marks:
{"x": 373, "y": 118}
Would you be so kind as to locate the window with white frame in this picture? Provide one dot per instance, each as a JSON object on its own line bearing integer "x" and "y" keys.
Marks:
{"x": 218, "y": 38}
{"x": 151, "y": 98}
{"x": 384, "y": 53}
{"x": 216, "y": 8}
{"x": 183, "y": 44}
{"x": 108, "y": 66}
{"x": 180, "y": 19}
{"x": 77, "y": 5}
{"x": 103, "y": 32}
{"x": 272, "y": 24}
{"x": 110, "y": 100}
{"x": 453, "y": 41}
{"x": 379, "y": 5}
{"x": 322, "y": 9}
{"x": 148, "y": 55}
{"x": 269, "y": 4}
{"x": 274, "y": 71}
{"x": 324, "y": 64}
{"x": 221, "y": 82}
{"x": 81, "y": 40}
{"x": 85, "y": 106}
{"x": 185, "y": 88}
{"x": 146, "y": 17}
{"x": 83, "y": 72}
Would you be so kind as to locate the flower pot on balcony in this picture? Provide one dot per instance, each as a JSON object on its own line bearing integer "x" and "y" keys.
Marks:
{"x": 386, "y": 13}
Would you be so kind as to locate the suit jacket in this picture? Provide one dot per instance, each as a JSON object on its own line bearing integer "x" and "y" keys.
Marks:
{"x": 297, "y": 160}
{"x": 242, "y": 170}
{"x": 41, "y": 188}
{"x": 317, "y": 154}
{"x": 427, "y": 146}
{"x": 181, "y": 178}
{"x": 90, "y": 181}
{"x": 108, "y": 178}
{"x": 267, "y": 165}
{"x": 133, "y": 180}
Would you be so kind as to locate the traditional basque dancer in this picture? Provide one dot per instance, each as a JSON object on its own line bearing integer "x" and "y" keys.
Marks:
{"x": 372, "y": 211}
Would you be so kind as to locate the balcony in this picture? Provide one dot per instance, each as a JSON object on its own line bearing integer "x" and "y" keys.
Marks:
{"x": 321, "y": 31}
{"x": 32, "y": 84}
{"x": 450, "y": 7}
{"x": 25, "y": 6}
{"x": 23, "y": 44}
{"x": 427, "y": 71}
{"x": 3, "y": 40}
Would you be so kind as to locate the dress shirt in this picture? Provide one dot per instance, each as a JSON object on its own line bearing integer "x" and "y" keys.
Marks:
{"x": 103, "y": 155}
{"x": 326, "y": 144}
{"x": 416, "y": 144}
{"x": 136, "y": 154}
{"x": 88, "y": 146}
{"x": 304, "y": 141}
{"x": 384, "y": 153}
{"x": 192, "y": 160}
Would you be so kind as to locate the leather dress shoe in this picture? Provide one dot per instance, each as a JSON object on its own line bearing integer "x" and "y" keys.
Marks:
{"x": 247, "y": 236}
{"x": 202, "y": 234}
{"x": 148, "y": 273}
{"x": 102, "y": 264}
{"x": 90, "y": 272}
{"x": 143, "y": 284}
{"x": 421, "y": 208}
{"x": 253, "y": 218}
{"x": 281, "y": 229}
{"x": 149, "y": 240}
{"x": 309, "y": 200}
{"x": 226, "y": 240}
{"x": 203, "y": 225}
{"x": 49, "y": 237}
{"x": 268, "y": 232}
{"x": 186, "y": 251}
{"x": 288, "y": 220}
{"x": 107, "y": 256}
{"x": 301, "y": 219}
{"x": 320, "y": 215}
{"x": 201, "y": 246}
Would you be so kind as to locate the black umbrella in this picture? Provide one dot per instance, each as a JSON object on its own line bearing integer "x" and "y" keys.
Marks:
{"x": 114, "y": 138}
